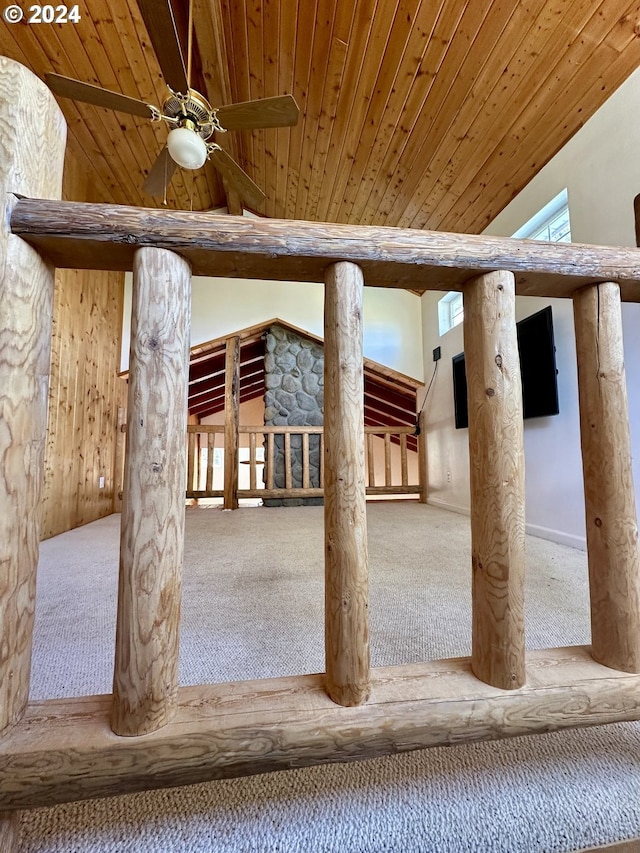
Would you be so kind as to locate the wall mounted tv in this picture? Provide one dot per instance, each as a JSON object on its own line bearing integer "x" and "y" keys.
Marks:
{"x": 537, "y": 351}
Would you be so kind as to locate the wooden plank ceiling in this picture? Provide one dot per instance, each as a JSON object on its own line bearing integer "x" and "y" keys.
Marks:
{"x": 415, "y": 113}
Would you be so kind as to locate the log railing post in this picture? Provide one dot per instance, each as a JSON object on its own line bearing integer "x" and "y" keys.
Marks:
{"x": 231, "y": 422}
{"x": 610, "y": 509}
{"x": 423, "y": 464}
{"x": 346, "y": 578}
{"x": 496, "y": 454}
{"x": 152, "y": 534}
{"x": 30, "y": 122}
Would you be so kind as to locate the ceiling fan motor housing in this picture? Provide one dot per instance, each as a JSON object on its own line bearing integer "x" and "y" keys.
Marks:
{"x": 194, "y": 109}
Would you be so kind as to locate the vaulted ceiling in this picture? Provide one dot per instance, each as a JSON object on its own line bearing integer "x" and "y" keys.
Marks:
{"x": 417, "y": 113}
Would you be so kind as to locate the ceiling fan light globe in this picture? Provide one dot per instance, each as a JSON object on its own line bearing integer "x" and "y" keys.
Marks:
{"x": 187, "y": 148}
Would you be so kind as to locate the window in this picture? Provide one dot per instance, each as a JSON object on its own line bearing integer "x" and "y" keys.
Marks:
{"x": 551, "y": 223}
{"x": 450, "y": 311}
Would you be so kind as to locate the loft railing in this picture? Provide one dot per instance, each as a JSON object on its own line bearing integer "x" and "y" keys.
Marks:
{"x": 71, "y": 749}
{"x": 386, "y": 473}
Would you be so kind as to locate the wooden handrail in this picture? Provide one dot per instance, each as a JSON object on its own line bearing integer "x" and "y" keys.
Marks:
{"x": 397, "y": 479}
{"x": 104, "y": 236}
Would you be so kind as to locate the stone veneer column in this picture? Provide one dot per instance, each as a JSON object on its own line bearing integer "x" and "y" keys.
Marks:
{"x": 294, "y": 396}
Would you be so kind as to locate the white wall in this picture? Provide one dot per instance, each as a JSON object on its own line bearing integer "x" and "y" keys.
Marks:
{"x": 392, "y": 320}
{"x": 600, "y": 167}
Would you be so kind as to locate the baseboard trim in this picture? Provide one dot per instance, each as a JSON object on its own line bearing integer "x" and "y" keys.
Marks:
{"x": 558, "y": 536}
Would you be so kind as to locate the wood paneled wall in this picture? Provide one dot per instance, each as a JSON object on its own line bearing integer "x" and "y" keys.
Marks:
{"x": 85, "y": 390}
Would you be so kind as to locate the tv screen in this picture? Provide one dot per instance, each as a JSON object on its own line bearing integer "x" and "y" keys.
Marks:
{"x": 460, "y": 391}
{"x": 537, "y": 367}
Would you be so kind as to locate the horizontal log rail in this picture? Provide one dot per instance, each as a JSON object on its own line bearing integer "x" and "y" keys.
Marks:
{"x": 64, "y": 750}
{"x": 94, "y": 236}
{"x": 73, "y": 749}
{"x": 201, "y": 443}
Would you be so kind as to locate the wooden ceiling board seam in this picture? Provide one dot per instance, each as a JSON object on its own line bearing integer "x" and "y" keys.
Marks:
{"x": 123, "y": 39}
{"x": 255, "y": 35}
{"x": 302, "y": 73}
{"x": 54, "y": 47}
{"x": 270, "y": 31}
{"x": 617, "y": 73}
{"x": 123, "y": 62}
{"x": 286, "y": 85}
{"x": 210, "y": 32}
{"x": 435, "y": 51}
{"x": 459, "y": 59}
{"x": 544, "y": 60}
{"x": 81, "y": 141}
{"x": 328, "y": 113}
{"x": 316, "y": 88}
{"x": 128, "y": 127}
{"x": 530, "y": 123}
{"x": 497, "y": 102}
{"x": 359, "y": 33}
{"x": 391, "y": 68}
{"x": 537, "y": 108}
{"x": 242, "y": 63}
{"x": 364, "y": 86}
{"x": 428, "y": 157}
{"x": 393, "y": 114}
{"x": 177, "y": 192}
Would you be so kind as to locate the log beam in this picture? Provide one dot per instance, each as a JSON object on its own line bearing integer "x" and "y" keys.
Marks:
{"x": 496, "y": 462}
{"x": 86, "y": 236}
{"x": 152, "y": 528}
{"x": 231, "y": 421}
{"x": 345, "y": 522}
{"x": 610, "y": 507}
{"x": 28, "y": 126}
{"x": 63, "y": 750}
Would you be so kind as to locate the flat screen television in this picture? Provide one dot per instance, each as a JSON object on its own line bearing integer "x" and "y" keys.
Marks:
{"x": 537, "y": 350}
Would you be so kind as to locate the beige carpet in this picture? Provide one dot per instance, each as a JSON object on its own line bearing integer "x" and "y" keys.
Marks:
{"x": 252, "y": 607}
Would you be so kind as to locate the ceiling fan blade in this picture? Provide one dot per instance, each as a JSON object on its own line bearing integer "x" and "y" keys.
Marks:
{"x": 237, "y": 177}
{"x": 161, "y": 25}
{"x": 160, "y": 173}
{"x": 279, "y": 111}
{"x": 88, "y": 94}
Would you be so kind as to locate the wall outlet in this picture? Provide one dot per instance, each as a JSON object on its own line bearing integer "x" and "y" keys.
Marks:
{"x": 437, "y": 354}
{"x": 448, "y": 476}
{"x": 101, "y": 483}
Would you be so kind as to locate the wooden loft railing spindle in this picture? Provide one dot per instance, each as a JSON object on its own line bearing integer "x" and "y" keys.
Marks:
{"x": 26, "y": 284}
{"x": 610, "y": 508}
{"x": 231, "y": 422}
{"x": 145, "y": 679}
{"x": 346, "y": 569}
{"x": 496, "y": 458}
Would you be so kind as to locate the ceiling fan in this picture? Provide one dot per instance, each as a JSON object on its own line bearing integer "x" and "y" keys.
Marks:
{"x": 192, "y": 119}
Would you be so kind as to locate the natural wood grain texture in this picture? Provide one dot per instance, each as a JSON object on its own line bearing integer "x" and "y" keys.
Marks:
{"x": 26, "y": 308}
{"x": 346, "y": 567}
{"x": 433, "y": 113}
{"x": 305, "y": 460}
{"x": 231, "y": 422}
{"x": 118, "y": 463}
{"x": 10, "y": 832}
{"x": 83, "y": 235}
{"x": 371, "y": 465}
{"x": 610, "y": 507}
{"x": 152, "y": 527}
{"x": 496, "y": 462}
{"x": 83, "y": 400}
{"x": 387, "y": 459}
{"x": 64, "y": 750}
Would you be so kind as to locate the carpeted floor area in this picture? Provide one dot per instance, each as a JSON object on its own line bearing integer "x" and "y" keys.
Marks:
{"x": 253, "y": 607}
